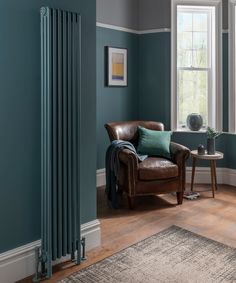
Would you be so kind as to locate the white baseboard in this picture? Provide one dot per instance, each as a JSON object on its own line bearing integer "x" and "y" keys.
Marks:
{"x": 20, "y": 263}
{"x": 202, "y": 176}
{"x": 225, "y": 176}
{"x": 101, "y": 177}
{"x": 92, "y": 233}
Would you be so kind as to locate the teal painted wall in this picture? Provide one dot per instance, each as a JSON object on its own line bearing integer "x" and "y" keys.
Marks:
{"x": 153, "y": 88}
{"x": 20, "y": 117}
{"x": 154, "y": 77}
{"x": 115, "y": 103}
{"x": 230, "y": 141}
{"x": 155, "y": 92}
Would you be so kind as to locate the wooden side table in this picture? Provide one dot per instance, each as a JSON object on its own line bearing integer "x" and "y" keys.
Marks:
{"x": 212, "y": 158}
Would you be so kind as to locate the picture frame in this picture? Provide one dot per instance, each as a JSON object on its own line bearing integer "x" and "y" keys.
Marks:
{"x": 117, "y": 66}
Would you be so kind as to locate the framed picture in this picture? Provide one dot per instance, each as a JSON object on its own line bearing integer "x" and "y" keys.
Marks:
{"x": 116, "y": 66}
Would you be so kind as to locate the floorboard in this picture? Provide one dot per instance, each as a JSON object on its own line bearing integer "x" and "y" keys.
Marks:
{"x": 212, "y": 218}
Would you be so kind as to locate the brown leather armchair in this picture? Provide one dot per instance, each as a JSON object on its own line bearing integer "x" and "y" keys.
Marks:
{"x": 155, "y": 175}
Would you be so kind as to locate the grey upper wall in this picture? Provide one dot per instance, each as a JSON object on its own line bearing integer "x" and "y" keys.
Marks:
{"x": 123, "y": 13}
{"x": 225, "y": 14}
{"x": 141, "y": 14}
{"x": 156, "y": 14}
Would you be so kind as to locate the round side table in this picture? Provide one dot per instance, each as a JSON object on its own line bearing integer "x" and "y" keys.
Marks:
{"x": 212, "y": 158}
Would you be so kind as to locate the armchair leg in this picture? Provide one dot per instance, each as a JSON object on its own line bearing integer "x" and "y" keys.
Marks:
{"x": 131, "y": 202}
{"x": 179, "y": 196}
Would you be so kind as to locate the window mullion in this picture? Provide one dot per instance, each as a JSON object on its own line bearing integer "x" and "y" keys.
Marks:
{"x": 192, "y": 69}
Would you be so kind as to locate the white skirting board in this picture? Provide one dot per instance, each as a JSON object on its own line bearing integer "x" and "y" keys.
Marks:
{"x": 20, "y": 263}
{"x": 225, "y": 176}
{"x": 202, "y": 176}
{"x": 101, "y": 177}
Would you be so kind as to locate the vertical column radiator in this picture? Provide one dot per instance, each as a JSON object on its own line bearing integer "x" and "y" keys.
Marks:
{"x": 60, "y": 138}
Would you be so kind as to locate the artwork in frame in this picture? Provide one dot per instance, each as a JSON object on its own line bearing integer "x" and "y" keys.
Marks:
{"x": 117, "y": 66}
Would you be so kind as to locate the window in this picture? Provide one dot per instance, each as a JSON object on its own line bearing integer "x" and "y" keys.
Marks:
{"x": 232, "y": 66}
{"x": 196, "y": 62}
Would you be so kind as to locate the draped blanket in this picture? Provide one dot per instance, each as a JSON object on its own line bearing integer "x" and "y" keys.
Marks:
{"x": 112, "y": 168}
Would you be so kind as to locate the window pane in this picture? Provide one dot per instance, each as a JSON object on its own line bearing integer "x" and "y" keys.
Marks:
{"x": 185, "y": 21}
{"x": 185, "y": 40}
{"x": 200, "y": 59}
{"x": 192, "y": 94}
{"x": 185, "y": 58}
{"x": 200, "y": 21}
{"x": 199, "y": 40}
{"x": 194, "y": 40}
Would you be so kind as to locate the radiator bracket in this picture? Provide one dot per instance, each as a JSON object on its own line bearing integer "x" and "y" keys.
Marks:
{"x": 40, "y": 260}
{"x": 83, "y": 244}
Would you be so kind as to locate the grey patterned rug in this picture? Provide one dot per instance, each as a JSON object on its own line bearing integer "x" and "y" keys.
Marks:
{"x": 174, "y": 255}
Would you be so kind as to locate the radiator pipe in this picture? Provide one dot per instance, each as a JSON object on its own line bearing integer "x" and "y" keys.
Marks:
{"x": 83, "y": 244}
{"x": 60, "y": 146}
{"x": 37, "y": 260}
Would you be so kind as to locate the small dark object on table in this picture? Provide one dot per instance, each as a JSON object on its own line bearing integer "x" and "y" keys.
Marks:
{"x": 201, "y": 149}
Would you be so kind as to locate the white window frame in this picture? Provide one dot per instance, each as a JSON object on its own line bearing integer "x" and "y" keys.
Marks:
{"x": 216, "y": 103}
{"x": 232, "y": 66}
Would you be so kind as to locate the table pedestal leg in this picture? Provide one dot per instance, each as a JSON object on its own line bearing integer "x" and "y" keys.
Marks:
{"x": 213, "y": 177}
{"x": 193, "y": 172}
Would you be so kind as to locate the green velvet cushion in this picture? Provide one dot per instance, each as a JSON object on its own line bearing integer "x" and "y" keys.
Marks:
{"x": 154, "y": 143}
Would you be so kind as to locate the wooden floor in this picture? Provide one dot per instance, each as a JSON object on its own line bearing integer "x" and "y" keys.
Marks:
{"x": 213, "y": 218}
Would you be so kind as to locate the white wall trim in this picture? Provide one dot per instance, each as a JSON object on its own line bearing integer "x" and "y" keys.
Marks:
{"x": 92, "y": 233}
{"x": 108, "y": 26}
{"x": 140, "y": 32}
{"x": 101, "y": 177}
{"x": 225, "y": 176}
{"x": 19, "y": 263}
{"x": 154, "y": 30}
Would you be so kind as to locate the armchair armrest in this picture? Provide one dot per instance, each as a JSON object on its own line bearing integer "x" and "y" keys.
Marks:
{"x": 128, "y": 157}
{"x": 179, "y": 153}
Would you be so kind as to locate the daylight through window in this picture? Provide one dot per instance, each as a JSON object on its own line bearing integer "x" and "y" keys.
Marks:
{"x": 195, "y": 76}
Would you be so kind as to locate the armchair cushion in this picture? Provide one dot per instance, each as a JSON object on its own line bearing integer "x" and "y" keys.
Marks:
{"x": 154, "y": 143}
{"x": 156, "y": 168}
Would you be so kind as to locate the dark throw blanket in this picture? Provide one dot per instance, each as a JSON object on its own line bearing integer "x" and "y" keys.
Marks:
{"x": 112, "y": 169}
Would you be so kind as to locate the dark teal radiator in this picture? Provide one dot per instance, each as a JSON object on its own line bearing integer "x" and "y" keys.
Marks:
{"x": 60, "y": 138}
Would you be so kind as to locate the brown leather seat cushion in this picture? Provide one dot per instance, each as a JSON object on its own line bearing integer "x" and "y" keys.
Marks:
{"x": 155, "y": 168}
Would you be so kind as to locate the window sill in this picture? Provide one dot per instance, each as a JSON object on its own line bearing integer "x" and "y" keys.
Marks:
{"x": 229, "y": 133}
{"x": 202, "y": 131}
